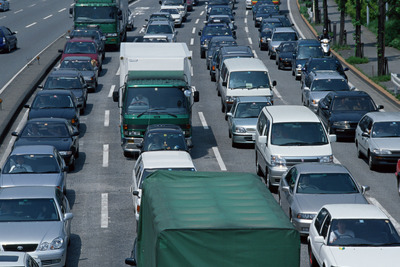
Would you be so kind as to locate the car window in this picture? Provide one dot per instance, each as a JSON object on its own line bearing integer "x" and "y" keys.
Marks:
{"x": 262, "y": 120}
{"x": 329, "y": 85}
{"x": 353, "y": 104}
{"x": 386, "y": 129}
{"x": 305, "y": 52}
{"x": 325, "y": 226}
{"x": 32, "y": 163}
{"x": 326, "y": 183}
{"x": 291, "y": 178}
{"x": 286, "y": 134}
{"x": 25, "y": 210}
{"x": 320, "y": 219}
{"x": 248, "y": 79}
{"x": 364, "y": 123}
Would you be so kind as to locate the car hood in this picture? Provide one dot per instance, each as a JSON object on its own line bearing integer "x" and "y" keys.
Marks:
{"x": 363, "y": 256}
{"x": 249, "y": 122}
{"x": 77, "y": 92}
{"x": 351, "y": 116}
{"x": 317, "y": 95}
{"x": 92, "y": 56}
{"x": 87, "y": 73}
{"x": 31, "y": 179}
{"x": 29, "y": 232}
{"x": 302, "y": 151}
{"x": 275, "y": 43}
{"x": 312, "y": 203}
{"x": 286, "y": 55}
{"x": 62, "y": 144}
{"x": 391, "y": 143}
{"x": 301, "y": 61}
{"x": 65, "y": 113}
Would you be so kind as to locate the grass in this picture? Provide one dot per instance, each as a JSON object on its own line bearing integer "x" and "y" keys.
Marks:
{"x": 383, "y": 78}
{"x": 341, "y": 47}
{"x": 357, "y": 60}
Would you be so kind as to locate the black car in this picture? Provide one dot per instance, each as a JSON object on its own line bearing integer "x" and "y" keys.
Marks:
{"x": 305, "y": 49}
{"x": 341, "y": 111}
{"x": 221, "y": 10}
{"x": 215, "y": 43}
{"x": 51, "y": 131}
{"x": 284, "y": 54}
{"x": 164, "y": 137}
{"x": 8, "y": 40}
{"x": 211, "y": 30}
{"x": 85, "y": 66}
{"x": 68, "y": 79}
{"x": 54, "y": 104}
{"x": 327, "y": 63}
{"x": 212, "y": 3}
{"x": 266, "y": 28}
{"x": 95, "y": 33}
{"x": 263, "y": 12}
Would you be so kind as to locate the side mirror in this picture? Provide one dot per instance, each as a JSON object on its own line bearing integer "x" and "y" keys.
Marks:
{"x": 380, "y": 107}
{"x": 135, "y": 193}
{"x": 76, "y": 133}
{"x": 68, "y": 216}
{"x": 130, "y": 261}
{"x": 269, "y": 39}
{"x": 26, "y": 106}
{"x": 14, "y": 133}
{"x": 324, "y": 107}
{"x": 115, "y": 96}
{"x": 306, "y": 88}
{"x": 332, "y": 138}
{"x": 224, "y": 83}
{"x": 262, "y": 139}
{"x": 234, "y": 13}
{"x": 346, "y": 69}
{"x": 352, "y": 88}
{"x": 285, "y": 188}
{"x": 319, "y": 239}
{"x": 274, "y": 83}
{"x": 229, "y": 114}
{"x": 199, "y": 33}
{"x": 365, "y": 134}
{"x": 71, "y": 11}
{"x": 365, "y": 188}
{"x": 66, "y": 169}
{"x": 60, "y": 50}
{"x": 196, "y": 96}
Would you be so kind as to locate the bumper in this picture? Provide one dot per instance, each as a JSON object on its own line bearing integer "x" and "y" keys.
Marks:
{"x": 243, "y": 138}
{"x": 298, "y": 72}
{"x": 52, "y": 258}
{"x": 276, "y": 173}
{"x": 343, "y": 132}
{"x": 113, "y": 40}
{"x": 384, "y": 159}
{"x": 129, "y": 145}
{"x": 302, "y": 225}
{"x": 285, "y": 64}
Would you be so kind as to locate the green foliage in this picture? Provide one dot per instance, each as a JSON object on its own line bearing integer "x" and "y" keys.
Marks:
{"x": 341, "y": 47}
{"x": 303, "y": 10}
{"x": 383, "y": 78}
{"x": 357, "y": 60}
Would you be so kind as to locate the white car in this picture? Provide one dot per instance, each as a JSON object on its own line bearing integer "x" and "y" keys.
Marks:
{"x": 352, "y": 235}
{"x": 151, "y": 161}
{"x": 175, "y": 14}
{"x": 378, "y": 138}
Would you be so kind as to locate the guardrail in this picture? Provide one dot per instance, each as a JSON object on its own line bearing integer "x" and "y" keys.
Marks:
{"x": 396, "y": 80}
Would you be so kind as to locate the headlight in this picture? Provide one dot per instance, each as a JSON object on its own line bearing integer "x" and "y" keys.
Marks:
{"x": 382, "y": 151}
{"x": 341, "y": 123}
{"x": 240, "y": 130}
{"x": 305, "y": 216}
{"x": 230, "y": 99}
{"x": 57, "y": 243}
{"x": 299, "y": 66}
{"x": 264, "y": 39}
{"x": 111, "y": 34}
{"x": 259, "y": 18}
{"x": 315, "y": 101}
{"x": 278, "y": 160}
{"x": 65, "y": 153}
{"x": 326, "y": 159}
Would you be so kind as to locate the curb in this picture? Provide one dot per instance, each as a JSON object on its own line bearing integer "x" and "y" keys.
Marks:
{"x": 361, "y": 75}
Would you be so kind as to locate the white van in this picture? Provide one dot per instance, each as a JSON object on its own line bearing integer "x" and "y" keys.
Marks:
{"x": 287, "y": 135}
{"x": 243, "y": 77}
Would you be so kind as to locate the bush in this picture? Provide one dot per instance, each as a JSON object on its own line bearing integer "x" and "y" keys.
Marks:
{"x": 357, "y": 60}
{"x": 384, "y": 78}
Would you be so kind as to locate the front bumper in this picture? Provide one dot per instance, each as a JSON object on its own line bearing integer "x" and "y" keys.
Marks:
{"x": 129, "y": 145}
{"x": 379, "y": 159}
{"x": 302, "y": 225}
{"x": 243, "y": 138}
{"x": 276, "y": 173}
{"x": 343, "y": 131}
{"x": 285, "y": 63}
{"x": 51, "y": 258}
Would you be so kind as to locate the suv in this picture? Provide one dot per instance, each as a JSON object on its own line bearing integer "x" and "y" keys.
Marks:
{"x": 319, "y": 84}
{"x": 8, "y": 40}
{"x": 68, "y": 79}
{"x": 95, "y": 33}
{"x": 288, "y": 135}
{"x": 326, "y": 63}
{"x": 305, "y": 49}
{"x": 151, "y": 161}
{"x": 279, "y": 35}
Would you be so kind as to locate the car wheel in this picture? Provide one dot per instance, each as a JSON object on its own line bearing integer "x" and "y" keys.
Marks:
{"x": 312, "y": 261}
{"x": 370, "y": 162}
{"x": 229, "y": 134}
{"x": 72, "y": 165}
{"x": 222, "y": 107}
{"x": 359, "y": 155}
{"x": 292, "y": 72}
{"x": 16, "y": 45}
{"x": 276, "y": 60}
{"x": 258, "y": 168}
{"x": 65, "y": 191}
{"x": 233, "y": 143}
{"x": 202, "y": 54}
{"x": 279, "y": 200}
{"x": 77, "y": 153}
{"x": 8, "y": 48}
{"x": 213, "y": 77}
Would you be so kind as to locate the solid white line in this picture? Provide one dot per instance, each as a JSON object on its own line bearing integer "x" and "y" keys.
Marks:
{"x": 49, "y": 16}
{"x": 134, "y": 3}
{"x": 3, "y": 17}
{"x": 18, "y": 11}
{"x": 247, "y": 12}
{"x": 191, "y": 41}
{"x": 201, "y": 13}
{"x": 110, "y": 93}
{"x": 376, "y": 203}
{"x": 30, "y": 25}
{"x": 104, "y": 210}
{"x": 32, "y": 5}
{"x": 118, "y": 71}
{"x": 106, "y": 118}
{"x": 245, "y": 20}
{"x": 293, "y": 21}
{"x": 193, "y": 30}
{"x": 61, "y": 10}
{"x": 203, "y": 121}
{"x": 255, "y": 54}
{"x": 250, "y": 41}
{"x": 105, "y": 155}
{"x": 197, "y": 21}
{"x": 219, "y": 159}
{"x": 246, "y": 29}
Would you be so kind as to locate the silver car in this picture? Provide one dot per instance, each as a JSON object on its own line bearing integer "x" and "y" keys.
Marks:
{"x": 36, "y": 165}
{"x": 279, "y": 35}
{"x": 18, "y": 259}
{"x": 35, "y": 219}
{"x": 306, "y": 187}
{"x": 242, "y": 119}
{"x": 378, "y": 138}
{"x": 163, "y": 28}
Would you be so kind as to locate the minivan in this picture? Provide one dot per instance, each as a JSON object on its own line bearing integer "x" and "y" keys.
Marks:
{"x": 287, "y": 135}
{"x": 243, "y": 77}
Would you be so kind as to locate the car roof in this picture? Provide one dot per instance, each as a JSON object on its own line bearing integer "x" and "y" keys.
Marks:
{"x": 166, "y": 159}
{"x": 284, "y": 29}
{"x": 54, "y": 92}
{"x": 248, "y": 99}
{"x": 236, "y": 49}
{"x": 81, "y": 40}
{"x": 160, "y": 22}
{"x": 291, "y": 113}
{"x": 316, "y": 167}
{"x": 308, "y": 42}
{"x": 355, "y": 211}
{"x": 27, "y": 192}
{"x": 217, "y": 25}
{"x": 384, "y": 116}
{"x": 348, "y": 93}
{"x": 326, "y": 74}
{"x": 81, "y": 58}
{"x": 65, "y": 72}
{"x": 245, "y": 64}
{"x": 32, "y": 149}
{"x": 50, "y": 120}
{"x": 222, "y": 38}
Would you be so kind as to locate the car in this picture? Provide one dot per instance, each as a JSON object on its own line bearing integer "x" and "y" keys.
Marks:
{"x": 189, "y": 4}
{"x": 283, "y": 18}
{"x": 18, "y": 259}
{"x": 265, "y": 31}
{"x": 181, "y": 5}
{"x": 34, "y": 165}
{"x": 164, "y": 137}
{"x": 284, "y": 54}
{"x": 157, "y": 38}
{"x": 397, "y": 174}
{"x": 93, "y": 32}
{"x": 378, "y": 138}
{"x": 341, "y": 111}
{"x": 37, "y": 220}
{"x": 54, "y": 104}
{"x": 263, "y": 12}
{"x": 306, "y": 187}
{"x": 163, "y": 28}
{"x": 85, "y": 66}
{"x": 221, "y": 19}
{"x": 8, "y": 40}
{"x": 358, "y": 235}
{"x": 215, "y": 43}
{"x": 305, "y": 49}
{"x": 51, "y": 131}
{"x": 175, "y": 15}
{"x": 151, "y": 161}
{"x": 68, "y": 79}
{"x": 209, "y": 31}
{"x": 325, "y": 63}
{"x": 211, "y": 3}
{"x": 319, "y": 84}
{"x": 242, "y": 118}
{"x": 280, "y": 34}
{"x": 4, "y": 5}
{"x": 166, "y": 15}
{"x": 221, "y": 10}
{"x": 266, "y": 5}
{"x": 81, "y": 46}
{"x": 131, "y": 21}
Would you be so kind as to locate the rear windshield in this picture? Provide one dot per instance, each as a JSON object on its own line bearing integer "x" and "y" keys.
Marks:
{"x": 248, "y": 80}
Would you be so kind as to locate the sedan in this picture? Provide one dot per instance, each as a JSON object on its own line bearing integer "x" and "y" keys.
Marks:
{"x": 85, "y": 66}
{"x": 36, "y": 220}
{"x": 175, "y": 15}
{"x": 209, "y": 31}
{"x": 357, "y": 235}
{"x": 4, "y": 5}
{"x": 18, "y": 259}
{"x": 378, "y": 138}
{"x": 51, "y": 131}
{"x": 39, "y": 165}
{"x": 284, "y": 54}
{"x": 161, "y": 28}
{"x": 306, "y": 187}
{"x": 8, "y": 40}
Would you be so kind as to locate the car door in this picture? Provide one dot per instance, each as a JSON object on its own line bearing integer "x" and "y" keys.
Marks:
{"x": 64, "y": 208}
{"x": 317, "y": 229}
{"x": 9, "y": 36}
{"x": 364, "y": 126}
{"x": 324, "y": 110}
{"x": 137, "y": 179}
{"x": 287, "y": 197}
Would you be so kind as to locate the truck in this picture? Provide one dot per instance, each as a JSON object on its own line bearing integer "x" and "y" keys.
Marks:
{"x": 155, "y": 88}
{"x": 212, "y": 219}
{"x": 110, "y": 15}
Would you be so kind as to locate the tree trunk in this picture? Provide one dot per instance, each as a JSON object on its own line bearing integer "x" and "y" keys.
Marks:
{"x": 357, "y": 37}
{"x": 342, "y": 8}
{"x": 325, "y": 5}
{"x": 317, "y": 15}
{"x": 381, "y": 38}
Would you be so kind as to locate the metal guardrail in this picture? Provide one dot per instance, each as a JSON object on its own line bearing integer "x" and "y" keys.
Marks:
{"x": 396, "y": 80}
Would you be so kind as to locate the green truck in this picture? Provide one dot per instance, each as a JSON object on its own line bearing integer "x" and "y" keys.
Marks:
{"x": 212, "y": 219}
{"x": 110, "y": 15}
{"x": 155, "y": 88}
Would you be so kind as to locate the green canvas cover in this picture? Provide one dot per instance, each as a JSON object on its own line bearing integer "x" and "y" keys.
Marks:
{"x": 213, "y": 219}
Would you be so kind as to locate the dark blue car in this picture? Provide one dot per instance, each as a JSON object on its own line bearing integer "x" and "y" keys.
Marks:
{"x": 211, "y": 30}
{"x": 8, "y": 40}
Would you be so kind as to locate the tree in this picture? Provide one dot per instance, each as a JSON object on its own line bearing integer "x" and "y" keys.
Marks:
{"x": 342, "y": 8}
{"x": 357, "y": 24}
{"x": 316, "y": 11}
{"x": 381, "y": 37}
{"x": 325, "y": 6}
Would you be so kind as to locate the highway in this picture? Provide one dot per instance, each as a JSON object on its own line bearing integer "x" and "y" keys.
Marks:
{"x": 103, "y": 228}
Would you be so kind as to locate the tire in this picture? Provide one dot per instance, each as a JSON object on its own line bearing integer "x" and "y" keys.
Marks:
{"x": 72, "y": 165}
{"x": 292, "y": 72}
{"x": 213, "y": 77}
{"x": 202, "y": 54}
{"x": 258, "y": 168}
{"x": 311, "y": 258}
{"x": 77, "y": 153}
{"x": 222, "y": 107}
{"x": 370, "y": 162}
{"x": 8, "y": 48}
{"x": 229, "y": 134}
{"x": 398, "y": 184}
{"x": 16, "y": 45}
{"x": 359, "y": 154}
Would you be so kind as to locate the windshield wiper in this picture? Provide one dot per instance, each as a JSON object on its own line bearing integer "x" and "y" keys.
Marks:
{"x": 295, "y": 144}
{"x": 156, "y": 110}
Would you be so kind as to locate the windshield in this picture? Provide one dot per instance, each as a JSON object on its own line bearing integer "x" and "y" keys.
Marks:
{"x": 156, "y": 100}
{"x": 309, "y": 51}
{"x": 39, "y": 163}
{"x": 248, "y": 79}
{"x": 52, "y": 101}
{"x": 86, "y": 33}
{"x": 249, "y": 110}
{"x": 159, "y": 29}
{"x": 330, "y": 85}
{"x": 288, "y": 47}
{"x": 270, "y": 25}
{"x": 287, "y": 134}
{"x": 386, "y": 129}
{"x": 45, "y": 129}
{"x": 164, "y": 141}
{"x": 220, "y": 11}
{"x": 63, "y": 83}
{"x": 28, "y": 210}
{"x": 353, "y": 104}
{"x": 80, "y": 48}
{"x": 95, "y": 13}
{"x": 147, "y": 172}
{"x": 84, "y": 65}
{"x": 326, "y": 183}
{"x": 173, "y": 2}
{"x": 363, "y": 232}
{"x": 169, "y": 10}
{"x": 326, "y": 65}
{"x": 216, "y": 30}
{"x": 285, "y": 36}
